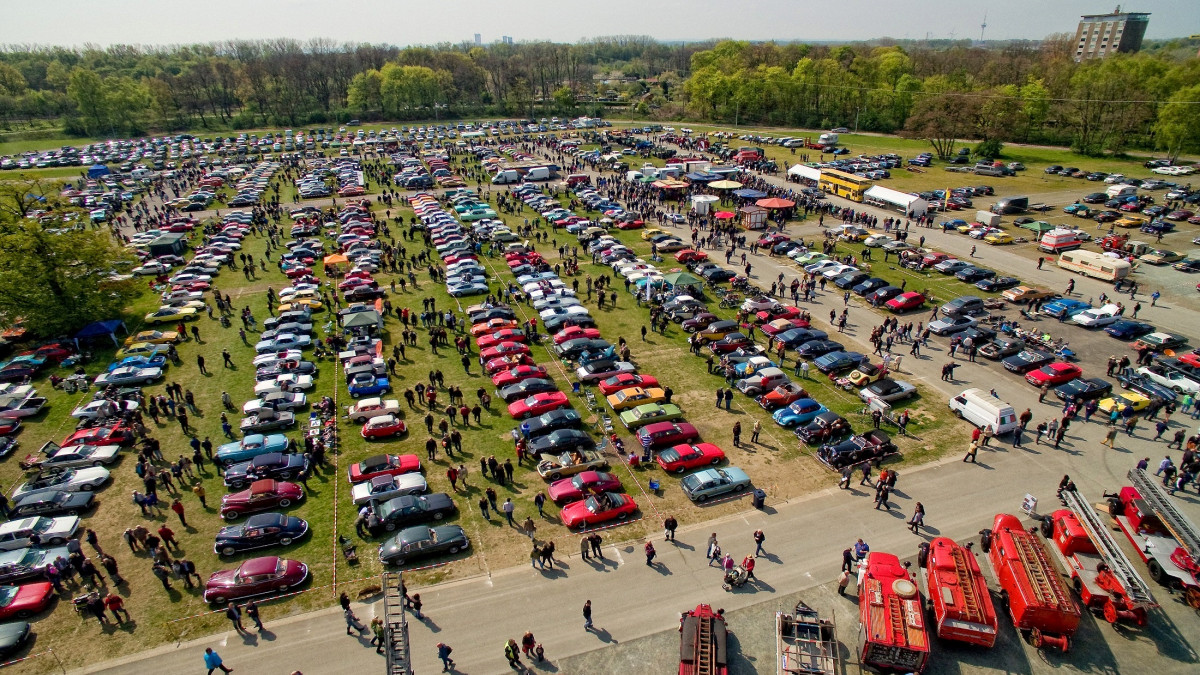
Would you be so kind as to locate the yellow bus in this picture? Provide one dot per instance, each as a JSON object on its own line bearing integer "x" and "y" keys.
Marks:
{"x": 843, "y": 184}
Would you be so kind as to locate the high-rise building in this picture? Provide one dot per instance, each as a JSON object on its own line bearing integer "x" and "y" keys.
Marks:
{"x": 506, "y": 39}
{"x": 1099, "y": 35}
{"x": 478, "y": 39}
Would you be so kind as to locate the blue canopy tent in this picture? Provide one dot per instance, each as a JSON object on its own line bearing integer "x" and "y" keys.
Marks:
{"x": 98, "y": 170}
{"x": 702, "y": 177}
{"x": 101, "y": 329}
{"x": 748, "y": 193}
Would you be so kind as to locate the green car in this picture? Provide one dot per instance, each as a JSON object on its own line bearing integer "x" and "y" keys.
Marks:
{"x": 650, "y": 412}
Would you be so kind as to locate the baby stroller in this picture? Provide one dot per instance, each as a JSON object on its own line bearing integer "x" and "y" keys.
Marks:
{"x": 735, "y": 578}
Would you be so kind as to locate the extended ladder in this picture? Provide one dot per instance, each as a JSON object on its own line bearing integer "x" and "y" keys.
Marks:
{"x": 1179, "y": 525}
{"x": 1033, "y": 558}
{"x": 704, "y": 646}
{"x": 395, "y": 625}
{"x": 895, "y": 609}
{"x": 1121, "y": 567}
{"x": 966, "y": 584}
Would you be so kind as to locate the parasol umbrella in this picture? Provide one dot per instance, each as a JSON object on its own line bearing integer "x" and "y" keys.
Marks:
{"x": 725, "y": 185}
{"x": 723, "y": 215}
{"x": 775, "y": 203}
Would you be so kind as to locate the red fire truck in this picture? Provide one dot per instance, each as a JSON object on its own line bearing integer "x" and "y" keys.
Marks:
{"x": 702, "y": 636}
{"x": 1165, "y": 539}
{"x": 890, "y": 613}
{"x": 1104, "y": 578}
{"x": 1038, "y": 601}
{"x": 958, "y": 593}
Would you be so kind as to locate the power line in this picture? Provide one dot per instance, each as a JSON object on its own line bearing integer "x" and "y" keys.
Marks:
{"x": 968, "y": 94}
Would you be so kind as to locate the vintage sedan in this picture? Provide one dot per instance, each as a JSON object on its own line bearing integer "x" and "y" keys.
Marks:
{"x": 538, "y": 404}
{"x": 257, "y": 576}
{"x": 288, "y": 382}
{"x": 823, "y": 428}
{"x": 499, "y": 337}
{"x": 423, "y": 542}
{"x": 279, "y": 401}
{"x": 73, "y": 480}
{"x": 368, "y": 408}
{"x": 368, "y": 384}
{"x": 503, "y": 349}
{"x": 708, "y": 483}
{"x": 1022, "y": 294}
{"x": 1026, "y": 360}
{"x": 800, "y": 411}
{"x": 250, "y": 447}
{"x": 815, "y": 348}
{"x": 1128, "y": 329}
{"x": 26, "y": 600}
{"x": 126, "y": 375}
{"x": 1053, "y": 374}
{"x": 171, "y": 314}
{"x": 26, "y": 563}
{"x": 603, "y": 369}
{"x": 1083, "y": 389}
{"x": 571, "y": 463}
{"x": 52, "y": 531}
{"x": 53, "y": 502}
{"x": 278, "y": 465}
{"x": 383, "y": 488}
{"x": 617, "y": 383}
{"x": 398, "y": 512}
{"x": 598, "y": 509}
{"x": 560, "y": 441}
{"x": 582, "y": 484}
{"x": 666, "y": 433}
{"x": 783, "y": 395}
{"x": 648, "y": 413}
{"x": 870, "y": 446}
{"x": 157, "y": 337}
{"x": 81, "y": 455}
{"x": 259, "y": 531}
{"x": 680, "y": 458}
{"x": 384, "y": 426}
{"x": 888, "y": 390}
{"x": 262, "y": 495}
{"x": 383, "y": 465}
{"x": 526, "y": 388}
{"x": 266, "y": 420}
{"x": 635, "y": 396}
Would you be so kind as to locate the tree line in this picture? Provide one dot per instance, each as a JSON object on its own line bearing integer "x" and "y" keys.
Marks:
{"x": 1020, "y": 91}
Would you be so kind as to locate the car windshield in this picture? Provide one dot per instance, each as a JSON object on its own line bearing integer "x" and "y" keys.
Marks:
{"x": 7, "y": 595}
{"x": 41, "y": 525}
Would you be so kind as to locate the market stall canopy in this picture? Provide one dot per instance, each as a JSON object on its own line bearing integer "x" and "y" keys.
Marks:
{"x": 723, "y": 215}
{"x": 98, "y": 170}
{"x": 336, "y": 263}
{"x": 749, "y": 193}
{"x": 725, "y": 185}
{"x": 775, "y": 203}
{"x": 683, "y": 279}
{"x": 364, "y": 319}
{"x": 1038, "y": 226}
{"x": 910, "y": 204}
{"x": 804, "y": 171}
{"x": 669, "y": 184}
{"x": 704, "y": 199}
{"x": 101, "y": 329}
{"x": 702, "y": 176}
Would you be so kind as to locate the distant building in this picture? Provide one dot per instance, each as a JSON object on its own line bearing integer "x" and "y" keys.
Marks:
{"x": 478, "y": 39}
{"x": 506, "y": 39}
{"x": 1099, "y": 35}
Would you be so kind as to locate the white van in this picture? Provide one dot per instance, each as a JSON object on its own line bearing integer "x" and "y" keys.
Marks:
{"x": 538, "y": 173}
{"x": 984, "y": 410}
{"x": 1120, "y": 190}
{"x": 506, "y": 176}
{"x": 140, "y": 174}
{"x": 633, "y": 176}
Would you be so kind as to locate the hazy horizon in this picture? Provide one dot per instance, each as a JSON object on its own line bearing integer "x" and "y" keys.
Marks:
{"x": 74, "y": 23}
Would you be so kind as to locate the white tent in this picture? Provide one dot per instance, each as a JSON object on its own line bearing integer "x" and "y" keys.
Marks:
{"x": 806, "y": 172}
{"x": 702, "y": 203}
{"x": 910, "y": 205}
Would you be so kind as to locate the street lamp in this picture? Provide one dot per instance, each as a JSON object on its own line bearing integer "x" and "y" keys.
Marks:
{"x": 856, "y": 112}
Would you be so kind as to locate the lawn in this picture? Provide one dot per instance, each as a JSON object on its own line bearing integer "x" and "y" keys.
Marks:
{"x": 778, "y": 463}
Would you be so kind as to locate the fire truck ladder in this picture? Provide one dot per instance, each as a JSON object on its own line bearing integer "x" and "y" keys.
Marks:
{"x": 966, "y": 585}
{"x": 704, "y": 647}
{"x": 895, "y": 610}
{"x": 1034, "y": 560}
{"x": 1135, "y": 587}
{"x": 395, "y": 626}
{"x": 1182, "y": 528}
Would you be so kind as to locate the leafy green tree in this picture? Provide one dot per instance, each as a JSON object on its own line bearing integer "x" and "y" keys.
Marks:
{"x": 86, "y": 89}
{"x": 57, "y": 278}
{"x": 564, "y": 100}
{"x": 364, "y": 93}
{"x": 1177, "y": 129}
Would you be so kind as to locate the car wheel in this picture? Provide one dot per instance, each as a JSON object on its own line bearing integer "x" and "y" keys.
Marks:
{"x": 353, "y": 394}
{"x": 439, "y": 516}
{"x": 1157, "y": 573}
{"x": 622, "y": 516}
{"x": 57, "y": 541}
{"x": 88, "y": 487}
{"x": 390, "y": 527}
{"x": 581, "y": 524}
{"x": 453, "y": 549}
{"x": 97, "y": 464}
{"x": 555, "y": 476}
{"x": 680, "y": 469}
{"x": 231, "y": 515}
{"x": 701, "y": 498}
{"x": 715, "y": 461}
{"x": 284, "y": 503}
{"x": 284, "y": 541}
{"x": 281, "y": 587}
{"x": 286, "y": 475}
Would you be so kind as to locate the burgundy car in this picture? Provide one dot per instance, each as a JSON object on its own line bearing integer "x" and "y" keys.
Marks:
{"x": 257, "y": 576}
{"x": 581, "y": 485}
{"x": 262, "y": 495}
{"x": 666, "y": 433}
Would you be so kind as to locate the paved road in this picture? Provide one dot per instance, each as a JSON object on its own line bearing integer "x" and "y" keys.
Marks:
{"x": 804, "y": 538}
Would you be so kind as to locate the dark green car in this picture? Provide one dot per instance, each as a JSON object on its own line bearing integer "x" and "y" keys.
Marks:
{"x": 423, "y": 542}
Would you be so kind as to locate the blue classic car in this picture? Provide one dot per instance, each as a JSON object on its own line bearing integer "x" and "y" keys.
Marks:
{"x": 799, "y": 412}
{"x": 140, "y": 361}
{"x": 366, "y": 384}
{"x": 835, "y": 362}
{"x": 1064, "y": 308}
{"x": 250, "y": 447}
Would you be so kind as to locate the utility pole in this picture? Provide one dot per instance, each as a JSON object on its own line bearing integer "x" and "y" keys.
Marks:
{"x": 983, "y": 26}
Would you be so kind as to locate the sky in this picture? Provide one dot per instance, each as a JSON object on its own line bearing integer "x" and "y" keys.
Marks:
{"x": 405, "y": 22}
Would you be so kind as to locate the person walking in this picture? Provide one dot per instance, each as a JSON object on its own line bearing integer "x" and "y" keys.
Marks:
{"x": 252, "y": 612}
{"x": 650, "y": 553}
{"x": 669, "y": 527}
{"x": 116, "y": 605}
{"x": 212, "y": 661}
{"x": 177, "y": 507}
{"x": 444, "y": 651}
{"x": 353, "y": 622}
{"x": 759, "y": 538}
{"x": 508, "y": 507}
{"x": 235, "y": 617}
{"x": 737, "y": 434}
{"x": 587, "y": 615}
{"x": 377, "y": 634}
{"x": 513, "y": 653}
{"x": 918, "y": 518}
{"x": 972, "y": 451}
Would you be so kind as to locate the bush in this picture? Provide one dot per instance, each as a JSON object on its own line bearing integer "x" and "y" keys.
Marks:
{"x": 989, "y": 148}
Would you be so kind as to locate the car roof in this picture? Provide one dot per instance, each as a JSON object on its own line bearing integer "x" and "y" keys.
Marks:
{"x": 259, "y": 566}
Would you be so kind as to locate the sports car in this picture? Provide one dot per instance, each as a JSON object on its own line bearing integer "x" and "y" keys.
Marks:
{"x": 570, "y": 463}
{"x": 262, "y": 495}
{"x": 423, "y": 542}
{"x": 26, "y": 600}
{"x": 171, "y": 314}
{"x": 383, "y": 488}
{"x": 559, "y": 441}
{"x": 603, "y": 369}
{"x": 128, "y": 375}
{"x": 250, "y": 447}
{"x": 622, "y": 381}
{"x": 783, "y": 395}
{"x": 266, "y": 420}
{"x": 680, "y": 458}
{"x": 24, "y": 563}
{"x": 888, "y": 390}
{"x": 257, "y": 576}
{"x": 582, "y": 484}
{"x": 503, "y": 349}
{"x": 814, "y": 348}
{"x": 836, "y": 362}
{"x": 526, "y": 388}
{"x": 278, "y": 400}
{"x": 1083, "y": 389}
{"x": 517, "y": 374}
{"x": 1131, "y": 399}
{"x": 563, "y": 418}
{"x": 1026, "y": 360}
{"x": 259, "y": 531}
{"x": 488, "y": 341}
{"x": 1022, "y": 294}
{"x": 155, "y": 337}
{"x": 383, "y": 465}
{"x": 113, "y": 434}
{"x": 666, "y": 433}
{"x": 288, "y": 382}
{"x": 708, "y": 483}
{"x": 275, "y": 465}
{"x": 493, "y": 325}
{"x": 81, "y": 455}
{"x": 598, "y": 509}
{"x": 537, "y": 404}
{"x": 635, "y": 396}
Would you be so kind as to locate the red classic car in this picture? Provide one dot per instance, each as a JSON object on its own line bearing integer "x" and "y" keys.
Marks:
{"x": 778, "y": 326}
{"x": 383, "y": 465}
{"x": 598, "y": 509}
{"x": 262, "y": 495}
{"x": 780, "y": 312}
{"x": 492, "y": 326}
{"x": 783, "y": 395}
{"x": 626, "y": 380}
{"x": 110, "y": 435}
{"x": 22, "y": 602}
{"x": 1053, "y": 374}
{"x": 573, "y": 332}
{"x": 508, "y": 335}
{"x": 500, "y": 363}
{"x": 683, "y": 457}
{"x": 517, "y": 374}
{"x": 257, "y": 576}
{"x": 905, "y": 302}
{"x": 383, "y": 426}
{"x": 537, "y": 404}
{"x": 582, "y": 484}
{"x": 51, "y": 352}
{"x": 690, "y": 255}
{"x": 503, "y": 349}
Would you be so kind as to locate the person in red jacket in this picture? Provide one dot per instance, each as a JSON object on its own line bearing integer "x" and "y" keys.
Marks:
{"x": 748, "y": 564}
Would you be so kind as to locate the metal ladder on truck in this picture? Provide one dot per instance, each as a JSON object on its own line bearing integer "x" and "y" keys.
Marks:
{"x": 966, "y": 585}
{"x": 1178, "y": 524}
{"x": 1118, "y": 563}
{"x": 395, "y": 625}
{"x": 1036, "y": 563}
{"x": 704, "y": 647}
